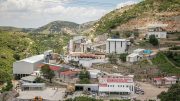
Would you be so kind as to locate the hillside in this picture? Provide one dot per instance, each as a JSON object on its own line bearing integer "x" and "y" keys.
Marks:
{"x": 58, "y": 27}
{"x": 139, "y": 15}
{"x": 14, "y": 46}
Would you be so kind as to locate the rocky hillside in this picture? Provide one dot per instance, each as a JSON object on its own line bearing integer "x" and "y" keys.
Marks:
{"x": 140, "y": 15}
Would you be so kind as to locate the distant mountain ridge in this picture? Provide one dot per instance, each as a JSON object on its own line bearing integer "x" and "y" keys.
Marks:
{"x": 55, "y": 27}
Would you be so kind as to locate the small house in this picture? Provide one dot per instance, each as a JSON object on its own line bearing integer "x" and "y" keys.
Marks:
{"x": 157, "y": 30}
{"x": 133, "y": 58}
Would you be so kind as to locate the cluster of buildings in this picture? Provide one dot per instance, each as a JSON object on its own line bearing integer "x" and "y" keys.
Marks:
{"x": 86, "y": 53}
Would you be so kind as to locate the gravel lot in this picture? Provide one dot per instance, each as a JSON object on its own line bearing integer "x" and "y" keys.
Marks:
{"x": 151, "y": 91}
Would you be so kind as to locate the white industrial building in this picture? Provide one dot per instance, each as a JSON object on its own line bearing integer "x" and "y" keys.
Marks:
{"x": 123, "y": 85}
{"x": 157, "y": 30}
{"x": 27, "y": 66}
{"x": 118, "y": 46}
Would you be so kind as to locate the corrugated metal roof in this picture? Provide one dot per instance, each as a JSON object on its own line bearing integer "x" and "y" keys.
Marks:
{"x": 34, "y": 59}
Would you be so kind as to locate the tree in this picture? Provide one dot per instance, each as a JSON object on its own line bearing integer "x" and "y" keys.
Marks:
{"x": 16, "y": 56}
{"x": 153, "y": 40}
{"x": 112, "y": 58}
{"x": 123, "y": 57}
{"x": 39, "y": 80}
{"x": 172, "y": 94}
{"x": 47, "y": 72}
{"x": 84, "y": 77}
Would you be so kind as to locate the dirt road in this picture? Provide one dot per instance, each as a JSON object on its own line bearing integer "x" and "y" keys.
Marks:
{"x": 151, "y": 91}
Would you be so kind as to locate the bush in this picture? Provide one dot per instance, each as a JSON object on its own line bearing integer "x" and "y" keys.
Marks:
{"x": 172, "y": 94}
{"x": 84, "y": 77}
{"x": 112, "y": 58}
{"x": 153, "y": 40}
{"x": 123, "y": 57}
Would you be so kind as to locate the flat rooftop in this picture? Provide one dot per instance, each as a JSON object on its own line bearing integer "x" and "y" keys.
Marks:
{"x": 34, "y": 59}
{"x": 117, "y": 40}
{"x": 48, "y": 94}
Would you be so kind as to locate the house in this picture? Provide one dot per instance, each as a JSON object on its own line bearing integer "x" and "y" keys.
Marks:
{"x": 86, "y": 60}
{"x": 118, "y": 46}
{"x": 157, "y": 81}
{"x": 164, "y": 81}
{"x": 123, "y": 85}
{"x": 157, "y": 30}
{"x": 27, "y": 66}
{"x": 133, "y": 58}
{"x": 94, "y": 73}
{"x": 68, "y": 76}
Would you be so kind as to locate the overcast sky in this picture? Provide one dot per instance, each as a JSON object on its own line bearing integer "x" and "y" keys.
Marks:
{"x": 35, "y": 13}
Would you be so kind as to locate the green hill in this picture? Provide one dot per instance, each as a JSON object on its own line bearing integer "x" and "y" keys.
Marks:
{"x": 153, "y": 10}
{"x": 14, "y": 46}
{"x": 58, "y": 27}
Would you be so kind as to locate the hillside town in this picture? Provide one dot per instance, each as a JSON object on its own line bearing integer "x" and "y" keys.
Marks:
{"x": 89, "y": 50}
{"x": 89, "y": 69}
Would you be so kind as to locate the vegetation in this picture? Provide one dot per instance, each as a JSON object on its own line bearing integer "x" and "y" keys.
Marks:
{"x": 174, "y": 58}
{"x": 112, "y": 58}
{"x": 175, "y": 48}
{"x": 172, "y": 94}
{"x": 153, "y": 40}
{"x": 115, "y": 18}
{"x": 84, "y": 77}
{"x": 7, "y": 87}
{"x": 45, "y": 42}
{"x": 164, "y": 65}
{"x": 47, "y": 72}
{"x": 39, "y": 80}
{"x": 83, "y": 98}
{"x": 123, "y": 57}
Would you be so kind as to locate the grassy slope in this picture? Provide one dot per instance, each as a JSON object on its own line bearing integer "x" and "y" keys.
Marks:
{"x": 115, "y": 18}
{"x": 164, "y": 65}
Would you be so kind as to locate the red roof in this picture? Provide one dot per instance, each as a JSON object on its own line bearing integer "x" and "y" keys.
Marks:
{"x": 54, "y": 68}
{"x": 68, "y": 72}
{"x": 158, "y": 79}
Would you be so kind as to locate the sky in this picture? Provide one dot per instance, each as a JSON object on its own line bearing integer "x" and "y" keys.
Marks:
{"x": 36, "y": 13}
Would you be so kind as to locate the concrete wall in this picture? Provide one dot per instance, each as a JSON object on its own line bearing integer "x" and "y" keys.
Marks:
{"x": 117, "y": 87}
{"x": 115, "y": 46}
{"x": 22, "y": 67}
{"x": 88, "y": 62}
